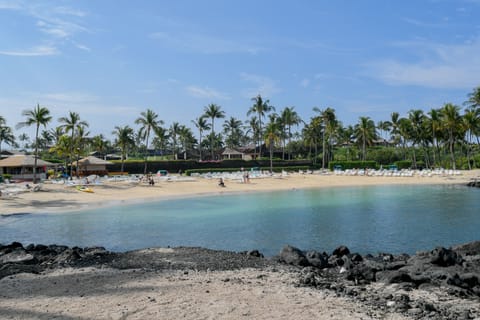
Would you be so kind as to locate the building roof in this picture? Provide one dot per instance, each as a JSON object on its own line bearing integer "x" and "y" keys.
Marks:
{"x": 24, "y": 161}
{"x": 231, "y": 151}
{"x": 91, "y": 160}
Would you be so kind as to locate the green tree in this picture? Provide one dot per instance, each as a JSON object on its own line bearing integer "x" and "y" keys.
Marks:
{"x": 148, "y": 121}
{"x": 71, "y": 124}
{"x": 260, "y": 107}
{"x": 272, "y": 137}
{"x": 328, "y": 122}
{"x": 365, "y": 134}
{"x": 174, "y": 132}
{"x": 233, "y": 132}
{"x": 124, "y": 139}
{"x": 471, "y": 124}
{"x": 451, "y": 121}
{"x": 213, "y": 112}
{"x": 6, "y": 136}
{"x": 39, "y": 116}
{"x": 289, "y": 118}
{"x": 201, "y": 124}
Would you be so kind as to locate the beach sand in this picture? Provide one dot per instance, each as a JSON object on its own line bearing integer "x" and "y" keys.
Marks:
{"x": 59, "y": 197}
{"x": 105, "y": 293}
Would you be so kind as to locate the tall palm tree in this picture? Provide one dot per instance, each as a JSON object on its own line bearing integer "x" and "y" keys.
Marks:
{"x": 80, "y": 143}
{"x": 187, "y": 140}
{"x": 417, "y": 119}
{"x": 71, "y": 124}
{"x": 6, "y": 136}
{"x": 474, "y": 99}
{"x": 148, "y": 121}
{"x": 272, "y": 137}
{"x": 328, "y": 119}
{"x": 260, "y": 107}
{"x": 471, "y": 124}
{"x": 124, "y": 139}
{"x": 233, "y": 132}
{"x": 289, "y": 118}
{"x": 213, "y": 112}
{"x": 451, "y": 120}
{"x": 161, "y": 138}
{"x": 434, "y": 127}
{"x": 174, "y": 131}
{"x": 201, "y": 124}
{"x": 365, "y": 134}
{"x": 39, "y": 116}
{"x": 254, "y": 126}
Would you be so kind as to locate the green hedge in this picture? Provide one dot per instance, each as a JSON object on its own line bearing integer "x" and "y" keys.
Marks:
{"x": 275, "y": 169}
{"x": 353, "y": 164}
{"x": 137, "y": 166}
{"x": 403, "y": 164}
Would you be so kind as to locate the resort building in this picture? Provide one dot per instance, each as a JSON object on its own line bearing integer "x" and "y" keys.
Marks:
{"x": 20, "y": 167}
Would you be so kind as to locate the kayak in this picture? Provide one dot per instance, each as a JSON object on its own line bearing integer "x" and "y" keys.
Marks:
{"x": 85, "y": 189}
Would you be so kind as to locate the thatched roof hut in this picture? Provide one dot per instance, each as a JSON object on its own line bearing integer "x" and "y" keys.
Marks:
{"x": 21, "y": 166}
{"x": 92, "y": 165}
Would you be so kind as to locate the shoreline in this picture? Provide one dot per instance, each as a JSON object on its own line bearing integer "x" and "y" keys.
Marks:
{"x": 58, "y": 198}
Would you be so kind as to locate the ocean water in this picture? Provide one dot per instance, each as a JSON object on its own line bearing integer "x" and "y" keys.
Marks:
{"x": 375, "y": 219}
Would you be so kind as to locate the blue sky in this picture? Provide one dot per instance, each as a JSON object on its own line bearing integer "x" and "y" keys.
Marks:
{"x": 109, "y": 60}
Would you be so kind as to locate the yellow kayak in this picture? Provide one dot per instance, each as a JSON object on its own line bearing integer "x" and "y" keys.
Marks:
{"x": 84, "y": 189}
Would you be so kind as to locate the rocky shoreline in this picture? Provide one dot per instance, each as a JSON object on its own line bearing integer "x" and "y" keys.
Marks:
{"x": 443, "y": 283}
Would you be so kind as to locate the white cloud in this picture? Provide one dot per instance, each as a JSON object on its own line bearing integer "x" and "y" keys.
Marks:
{"x": 263, "y": 85}
{"x": 206, "y": 92}
{"x": 58, "y": 24}
{"x": 440, "y": 66}
{"x": 33, "y": 52}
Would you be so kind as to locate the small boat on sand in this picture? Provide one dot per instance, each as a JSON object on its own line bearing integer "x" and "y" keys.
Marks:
{"x": 84, "y": 189}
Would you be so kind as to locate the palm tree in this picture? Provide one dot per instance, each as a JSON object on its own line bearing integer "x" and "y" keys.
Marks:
{"x": 474, "y": 98}
{"x": 213, "y": 112}
{"x": 417, "y": 119}
{"x": 451, "y": 120}
{"x": 311, "y": 134}
{"x": 471, "y": 123}
{"x": 71, "y": 124}
{"x": 6, "y": 136}
{"x": 434, "y": 127}
{"x": 201, "y": 124}
{"x": 148, "y": 121}
{"x": 174, "y": 131}
{"x": 24, "y": 138}
{"x": 233, "y": 131}
{"x": 289, "y": 118}
{"x": 329, "y": 121}
{"x": 186, "y": 139}
{"x": 124, "y": 139}
{"x": 80, "y": 142}
{"x": 260, "y": 107}
{"x": 39, "y": 116}
{"x": 254, "y": 126}
{"x": 272, "y": 137}
{"x": 63, "y": 147}
{"x": 365, "y": 133}
{"x": 161, "y": 138}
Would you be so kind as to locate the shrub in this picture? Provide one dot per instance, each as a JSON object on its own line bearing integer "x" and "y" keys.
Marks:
{"x": 403, "y": 164}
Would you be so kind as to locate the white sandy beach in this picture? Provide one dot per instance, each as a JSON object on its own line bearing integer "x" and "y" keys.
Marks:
{"x": 59, "y": 197}
{"x": 92, "y": 293}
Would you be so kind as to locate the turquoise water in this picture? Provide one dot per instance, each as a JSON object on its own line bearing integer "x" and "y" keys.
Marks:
{"x": 367, "y": 219}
